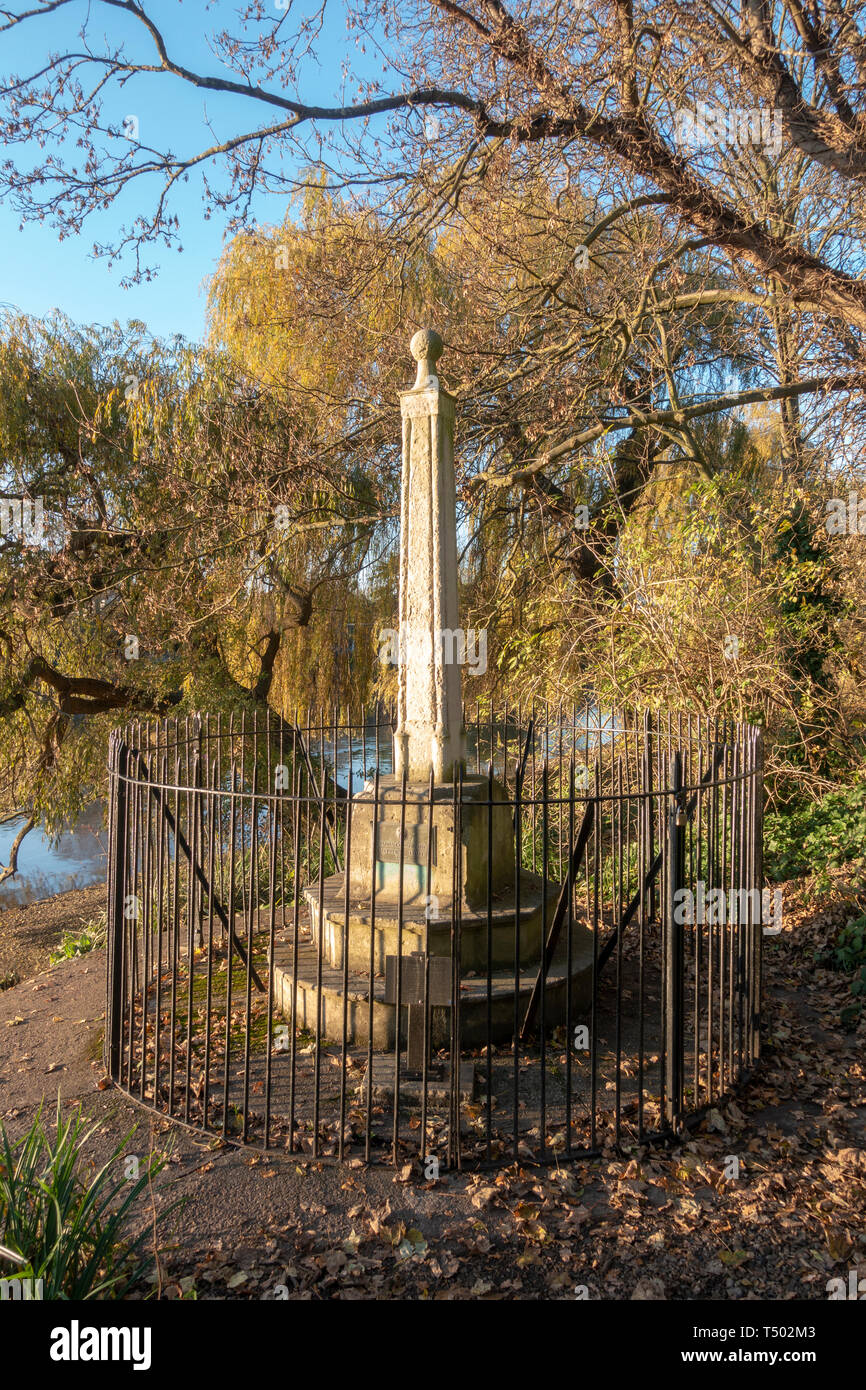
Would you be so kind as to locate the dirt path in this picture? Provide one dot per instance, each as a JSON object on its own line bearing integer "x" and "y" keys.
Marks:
{"x": 51, "y": 1035}
{"x": 664, "y": 1224}
{"x": 29, "y": 934}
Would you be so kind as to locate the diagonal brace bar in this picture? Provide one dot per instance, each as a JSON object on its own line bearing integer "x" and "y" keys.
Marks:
{"x": 654, "y": 868}
{"x": 559, "y": 914}
{"x": 183, "y": 844}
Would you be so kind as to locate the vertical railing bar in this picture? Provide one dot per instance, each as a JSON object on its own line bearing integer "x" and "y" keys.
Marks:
{"x": 597, "y": 833}
{"x": 618, "y": 912}
{"x": 374, "y": 837}
{"x": 399, "y": 991}
{"x": 542, "y": 1002}
{"x": 674, "y": 952}
{"x": 347, "y": 868}
{"x": 116, "y": 919}
{"x": 644, "y": 816}
{"x": 301, "y": 812}
{"x": 320, "y": 945}
{"x": 146, "y": 927}
{"x": 191, "y": 902}
{"x": 518, "y": 874}
{"x": 215, "y": 839}
{"x": 569, "y": 958}
{"x": 273, "y": 811}
{"x": 427, "y": 1015}
{"x": 230, "y": 935}
{"x": 456, "y": 1012}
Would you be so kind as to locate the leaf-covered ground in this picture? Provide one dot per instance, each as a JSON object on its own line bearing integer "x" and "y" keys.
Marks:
{"x": 663, "y": 1224}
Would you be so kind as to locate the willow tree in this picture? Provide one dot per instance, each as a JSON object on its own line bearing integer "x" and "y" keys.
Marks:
{"x": 609, "y": 247}
{"x": 552, "y": 322}
{"x": 169, "y": 563}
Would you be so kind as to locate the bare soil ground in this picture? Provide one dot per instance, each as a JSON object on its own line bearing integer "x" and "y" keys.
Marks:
{"x": 29, "y": 934}
{"x": 670, "y": 1223}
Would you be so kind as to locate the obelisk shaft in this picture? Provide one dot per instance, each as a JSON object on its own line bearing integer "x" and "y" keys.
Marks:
{"x": 429, "y": 730}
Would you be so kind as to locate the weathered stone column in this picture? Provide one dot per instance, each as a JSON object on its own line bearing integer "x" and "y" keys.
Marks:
{"x": 429, "y": 727}
{"x": 416, "y": 857}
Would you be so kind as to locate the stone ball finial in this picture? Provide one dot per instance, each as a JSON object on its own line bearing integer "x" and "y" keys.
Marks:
{"x": 426, "y": 348}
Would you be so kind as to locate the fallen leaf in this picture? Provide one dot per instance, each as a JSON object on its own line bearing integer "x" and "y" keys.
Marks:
{"x": 483, "y": 1196}
{"x": 734, "y": 1258}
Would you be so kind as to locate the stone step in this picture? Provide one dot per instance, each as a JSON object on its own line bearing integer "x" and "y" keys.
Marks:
{"x": 437, "y": 926}
{"x": 299, "y": 993}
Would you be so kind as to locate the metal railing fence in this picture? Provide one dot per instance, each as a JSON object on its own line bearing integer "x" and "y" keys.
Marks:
{"x": 558, "y": 950}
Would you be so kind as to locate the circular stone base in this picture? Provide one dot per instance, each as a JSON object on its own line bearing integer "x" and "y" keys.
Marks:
{"x": 511, "y": 933}
{"x": 311, "y": 991}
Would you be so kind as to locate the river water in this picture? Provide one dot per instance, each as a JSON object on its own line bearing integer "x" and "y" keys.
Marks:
{"x": 76, "y": 860}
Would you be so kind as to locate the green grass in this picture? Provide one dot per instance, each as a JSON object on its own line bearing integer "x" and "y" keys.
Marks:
{"x": 258, "y": 1024}
{"x": 90, "y": 937}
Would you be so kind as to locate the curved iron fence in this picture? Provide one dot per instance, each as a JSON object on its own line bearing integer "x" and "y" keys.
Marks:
{"x": 559, "y": 950}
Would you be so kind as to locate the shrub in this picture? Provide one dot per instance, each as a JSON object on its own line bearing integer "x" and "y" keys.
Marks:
{"x": 89, "y": 937}
{"x": 59, "y": 1227}
{"x": 849, "y": 953}
{"x": 819, "y": 836}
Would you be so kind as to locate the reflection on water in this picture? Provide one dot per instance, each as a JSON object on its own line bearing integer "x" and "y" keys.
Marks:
{"x": 75, "y": 861}
{"x": 362, "y": 754}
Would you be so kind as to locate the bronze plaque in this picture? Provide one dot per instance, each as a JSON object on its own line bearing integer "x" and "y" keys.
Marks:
{"x": 414, "y": 844}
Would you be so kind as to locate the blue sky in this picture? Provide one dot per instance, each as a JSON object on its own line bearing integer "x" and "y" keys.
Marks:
{"x": 40, "y": 273}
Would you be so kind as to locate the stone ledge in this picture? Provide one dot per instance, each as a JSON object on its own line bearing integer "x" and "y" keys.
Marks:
{"x": 475, "y": 1000}
{"x": 415, "y": 926}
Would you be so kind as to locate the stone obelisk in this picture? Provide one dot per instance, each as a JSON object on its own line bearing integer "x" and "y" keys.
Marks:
{"x": 429, "y": 729}
{"x": 424, "y": 858}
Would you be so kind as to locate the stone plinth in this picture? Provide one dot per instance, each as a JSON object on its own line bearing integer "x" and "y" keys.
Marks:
{"x": 298, "y": 982}
{"x": 365, "y": 938}
{"x": 483, "y": 827}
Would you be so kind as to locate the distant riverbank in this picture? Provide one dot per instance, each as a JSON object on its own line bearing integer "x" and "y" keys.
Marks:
{"x": 29, "y": 933}
{"x": 45, "y": 869}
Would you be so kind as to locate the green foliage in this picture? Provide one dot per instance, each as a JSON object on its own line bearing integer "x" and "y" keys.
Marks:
{"x": 62, "y": 1228}
{"x": 816, "y": 837}
{"x": 90, "y": 937}
{"x": 849, "y": 953}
